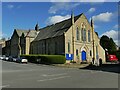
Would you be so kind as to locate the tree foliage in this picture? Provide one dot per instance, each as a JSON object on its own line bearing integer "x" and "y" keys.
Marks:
{"x": 108, "y": 43}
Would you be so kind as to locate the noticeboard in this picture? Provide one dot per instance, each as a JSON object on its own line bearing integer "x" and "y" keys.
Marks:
{"x": 69, "y": 56}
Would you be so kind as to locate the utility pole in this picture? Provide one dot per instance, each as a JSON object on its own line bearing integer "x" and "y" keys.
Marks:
{"x": 72, "y": 17}
{"x": 92, "y": 25}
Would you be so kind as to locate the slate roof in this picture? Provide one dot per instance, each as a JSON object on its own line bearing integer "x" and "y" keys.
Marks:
{"x": 32, "y": 33}
{"x": 19, "y": 32}
{"x": 54, "y": 30}
{"x": 29, "y": 33}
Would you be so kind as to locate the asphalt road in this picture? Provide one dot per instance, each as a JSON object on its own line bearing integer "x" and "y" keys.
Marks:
{"x": 15, "y": 75}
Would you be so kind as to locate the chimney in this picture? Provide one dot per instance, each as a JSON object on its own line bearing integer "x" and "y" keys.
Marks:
{"x": 37, "y": 27}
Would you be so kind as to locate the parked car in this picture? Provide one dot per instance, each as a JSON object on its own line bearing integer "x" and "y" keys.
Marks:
{"x": 6, "y": 58}
{"x": 1, "y": 57}
{"x": 22, "y": 60}
{"x": 112, "y": 58}
{"x": 10, "y": 58}
{"x": 14, "y": 59}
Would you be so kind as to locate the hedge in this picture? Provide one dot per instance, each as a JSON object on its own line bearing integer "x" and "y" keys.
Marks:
{"x": 45, "y": 59}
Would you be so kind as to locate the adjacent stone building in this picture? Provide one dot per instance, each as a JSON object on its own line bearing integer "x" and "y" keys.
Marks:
{"x": 20, "y": 41}
{"x": 2, "y": 46}
{"x": 7, "y": 50}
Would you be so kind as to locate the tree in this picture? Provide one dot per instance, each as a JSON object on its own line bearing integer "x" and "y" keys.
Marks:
{"x": 104, "y": 42}
{"x": 108, "y": 43}
{"x": 112, "y": 45}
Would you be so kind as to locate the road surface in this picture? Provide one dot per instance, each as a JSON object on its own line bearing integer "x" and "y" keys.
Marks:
{"x": 15, "y": 75}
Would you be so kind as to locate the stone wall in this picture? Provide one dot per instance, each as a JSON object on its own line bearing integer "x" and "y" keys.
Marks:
{"x": 48, "y": 46}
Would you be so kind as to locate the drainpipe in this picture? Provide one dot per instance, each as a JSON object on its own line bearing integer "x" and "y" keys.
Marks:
{"x": 92, "y": 25}
{"x": 72, "y": 17}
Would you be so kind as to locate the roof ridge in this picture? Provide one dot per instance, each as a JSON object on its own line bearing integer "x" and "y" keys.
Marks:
{"x": 69, "y": 18}
{"x": 60, "y": 21}
{"x": 56, "y": 29}
{"x": 21, "y": 29}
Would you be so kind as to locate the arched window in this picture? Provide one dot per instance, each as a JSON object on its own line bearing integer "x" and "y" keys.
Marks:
{"x": 90, "y": 53}
{"x": 97, "y": 53}
{"x": 68, "y": 47}
{"x": 77, "y": 34}
{"x": 84, "y": 34}
{"x": 88, "y": 35}
{"x": 48, "y": 48}
{"x": 56, "y": 51}
{"x": 42, "y": 48}
{"x": 76, "y": 52}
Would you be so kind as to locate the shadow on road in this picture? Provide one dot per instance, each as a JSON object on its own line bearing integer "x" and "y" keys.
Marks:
{"x": 115, "y": 68}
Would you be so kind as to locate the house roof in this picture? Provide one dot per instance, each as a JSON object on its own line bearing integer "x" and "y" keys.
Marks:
{"x": 32, "y": 33}
{"x": 54, "y": 30}
{"x": 20, "y": 32}
{"x": 29, "y": 33}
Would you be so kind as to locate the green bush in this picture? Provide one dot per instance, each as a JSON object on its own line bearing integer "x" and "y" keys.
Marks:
{"x": 46, "y": 59}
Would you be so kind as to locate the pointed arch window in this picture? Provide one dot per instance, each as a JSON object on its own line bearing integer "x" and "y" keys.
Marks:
{"x": 68, "y": 47}
{"x": 76, "y": 52}
{"x": 77, "y": 34}
{"x": 90, "y": 53}
{"x": 84, "y": 34}
{"x": 89, "y": 36}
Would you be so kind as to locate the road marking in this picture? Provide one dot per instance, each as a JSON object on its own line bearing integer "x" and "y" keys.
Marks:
{"x": 4, "y": 86}
{"x": 45, "y": 75}
{"x": 25, "y": 70}
{"x": 53, "y": 79}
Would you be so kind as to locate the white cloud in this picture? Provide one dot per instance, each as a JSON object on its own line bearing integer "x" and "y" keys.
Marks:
{"x": 114, "y": 35}
{"x": 116, "y": 26}
{"x": 91, "y": 10}
{"x": 103, "y": 17}
{"x": 20, "y": 6}
{"x": 10, "y": 6}
{"x": 62, "y": 6}
{"x": 95, "y": 26}
{"x": 0, "y": 34}
{"x": 56, "y": 19}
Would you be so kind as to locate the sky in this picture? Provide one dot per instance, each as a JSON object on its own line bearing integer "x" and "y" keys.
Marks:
{"x": 25, "y": 15}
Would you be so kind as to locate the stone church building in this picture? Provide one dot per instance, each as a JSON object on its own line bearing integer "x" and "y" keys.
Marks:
{"x": 72, "y": 37}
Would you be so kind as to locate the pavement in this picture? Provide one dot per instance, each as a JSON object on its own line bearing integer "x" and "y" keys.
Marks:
{"x": 71, "y": 65}
{"x": 15, "y": 75}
